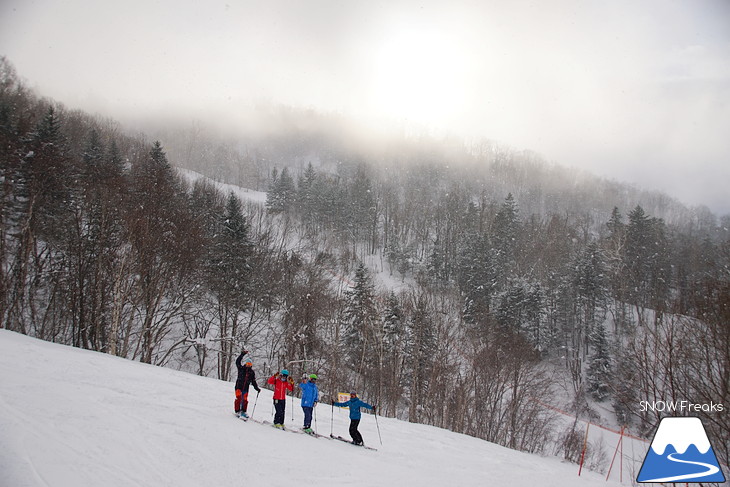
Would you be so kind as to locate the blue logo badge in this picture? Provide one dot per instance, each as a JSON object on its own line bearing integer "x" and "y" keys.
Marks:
{"x": 680, "y": 452}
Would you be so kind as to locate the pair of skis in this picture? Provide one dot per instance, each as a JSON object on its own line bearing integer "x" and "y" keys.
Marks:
{"x": 353, "y": 444}
{"x": 313, "y": 434}
{"x": 332, "y": 437}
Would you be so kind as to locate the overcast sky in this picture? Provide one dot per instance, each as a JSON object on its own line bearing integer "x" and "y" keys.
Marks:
{"x": 634, "y": 90}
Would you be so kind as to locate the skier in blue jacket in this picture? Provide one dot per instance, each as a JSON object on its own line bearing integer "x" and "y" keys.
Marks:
{"x": 355, "y": 404}
{"x": 310, "y": 397}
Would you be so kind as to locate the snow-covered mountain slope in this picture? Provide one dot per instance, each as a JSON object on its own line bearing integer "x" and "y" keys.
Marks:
{"x": 243, "y": 193}
{"x": 70, "y": 417}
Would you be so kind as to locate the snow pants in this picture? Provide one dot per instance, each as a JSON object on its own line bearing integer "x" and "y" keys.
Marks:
{"x": 354, "y": 433}
{"x": 241, "y": 403}
{"x": 280, "y": 407}
{"x": 307, "y": 416}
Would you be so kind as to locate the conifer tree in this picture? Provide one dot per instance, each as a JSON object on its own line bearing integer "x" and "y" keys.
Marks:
{"x": 638, "y": 254}
{"x": 158, "y": 156}
{"x": 626, "y": 386}
{"x": 287, "y": 190}
{"x": 477, "y": 278}
{"x": 229, "y": 276}
{"x": 229, "y": 269}
{"x": 38, "y": 168}
{"x": 282, "y": 193}
{"x": 362, "y": 201}
{"x": 590, "y": 284}
{"x": 392, "y": 325}
{"x": 360, "y": 317}
{"x": 616, "y": 226}
{"x": 91, "y": 241}
{"x": 114, "y": 160}
{"x": 420, "y": 353}
{"x": 164, "y": 247}
{"x": 49, "y": 176}
{"x": 306, "y": 196}
{"x": 645, "y": 259}
{"x": 616, "y": 264}
{"x": 504, "y": 239}
{"x": 94, "y": 152}
{"x": 520, "y": 311}
{"x": 392, "y": 350}
{"x": 329, "y": 203}
{"x": 599, "y": 369}
{"x": 437, "y": 266}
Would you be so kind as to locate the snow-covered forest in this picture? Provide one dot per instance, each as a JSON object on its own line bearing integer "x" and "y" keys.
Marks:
{"x": 459, "y": 285}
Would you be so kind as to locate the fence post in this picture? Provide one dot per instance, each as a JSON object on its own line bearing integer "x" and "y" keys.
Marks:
{"x": 585, "y": 446}
{"x": 618, "y": 445}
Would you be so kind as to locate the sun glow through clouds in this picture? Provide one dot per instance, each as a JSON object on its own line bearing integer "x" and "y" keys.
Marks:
{"x": 419, "y": 75}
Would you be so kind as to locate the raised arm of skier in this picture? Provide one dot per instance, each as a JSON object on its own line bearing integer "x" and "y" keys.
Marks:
{"x": 246, "y": 378}
{"x": 355, "y": 415}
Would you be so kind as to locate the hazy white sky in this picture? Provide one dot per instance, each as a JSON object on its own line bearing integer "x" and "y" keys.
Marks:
{"x": 634, "y": 90}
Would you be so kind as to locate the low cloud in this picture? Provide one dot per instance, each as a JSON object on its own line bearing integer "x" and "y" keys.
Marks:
{"x": 638, "y": 92}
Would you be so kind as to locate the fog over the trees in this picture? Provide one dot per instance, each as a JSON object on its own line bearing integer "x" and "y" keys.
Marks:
{"x": 417, "y": 269}
{"x": 632, "y": 91}
{"x": 491, "y": 207}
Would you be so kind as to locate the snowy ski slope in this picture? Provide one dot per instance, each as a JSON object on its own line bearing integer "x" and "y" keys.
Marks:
{"x": 70, "y": 417}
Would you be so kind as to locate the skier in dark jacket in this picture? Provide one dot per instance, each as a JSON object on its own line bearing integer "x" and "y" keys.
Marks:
{"x": 355, "y": 404}
{"x": 246, "y": 378}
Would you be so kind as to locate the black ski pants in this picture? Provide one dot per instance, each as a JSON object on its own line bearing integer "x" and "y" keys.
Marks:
{"x": 280, "y": 407}
{"x": 307, "y": 416}
{"x": 354, "y": 433}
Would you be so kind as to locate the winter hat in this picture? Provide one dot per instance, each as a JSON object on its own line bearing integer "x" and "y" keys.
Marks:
{"x": 248, "y": 364}
{"x": 313, "y": 376}
{"x": 284, "y": 372}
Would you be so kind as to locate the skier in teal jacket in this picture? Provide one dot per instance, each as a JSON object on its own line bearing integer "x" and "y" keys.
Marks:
{"x": 355, "y": 415}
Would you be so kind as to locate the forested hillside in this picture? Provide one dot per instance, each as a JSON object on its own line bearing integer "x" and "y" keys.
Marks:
{"x": 462, "y": 287}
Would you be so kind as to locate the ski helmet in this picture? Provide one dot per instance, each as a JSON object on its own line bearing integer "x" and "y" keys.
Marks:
{"x": 248, "y": 364}
{"x": 313, "y": 376}
{"x": 284, "y": 372}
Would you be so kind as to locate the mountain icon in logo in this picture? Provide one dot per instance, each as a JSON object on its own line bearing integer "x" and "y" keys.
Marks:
{"x": 680, "y": 452}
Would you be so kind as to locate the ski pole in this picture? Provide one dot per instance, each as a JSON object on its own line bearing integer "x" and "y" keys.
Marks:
{"x": 254, "y": 404}
{"x": 315, "y": 417}
{"x": 378, "y": 426}
{"x": 292, "y": 403}
{"x": 332, "y": 423}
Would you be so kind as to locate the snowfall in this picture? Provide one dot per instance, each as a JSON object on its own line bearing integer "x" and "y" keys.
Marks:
{"x": 71, "y": 417}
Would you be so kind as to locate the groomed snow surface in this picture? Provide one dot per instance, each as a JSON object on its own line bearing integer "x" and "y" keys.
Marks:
{"x": 70, "y": 417}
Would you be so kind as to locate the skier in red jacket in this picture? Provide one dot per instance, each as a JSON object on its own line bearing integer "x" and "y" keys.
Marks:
{"x": 281, "y": 382}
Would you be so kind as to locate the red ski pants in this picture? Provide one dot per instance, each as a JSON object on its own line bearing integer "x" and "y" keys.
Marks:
{"x": 241, "y": 398}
